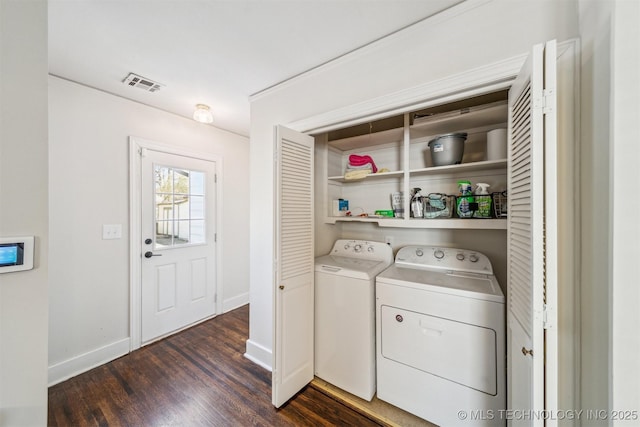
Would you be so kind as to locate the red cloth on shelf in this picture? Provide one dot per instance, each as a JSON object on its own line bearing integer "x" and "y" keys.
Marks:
{"x": 357, "y": 160}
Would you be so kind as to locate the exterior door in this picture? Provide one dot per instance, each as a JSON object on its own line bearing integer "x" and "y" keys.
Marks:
{"x": 294, "y": 293}
{"x": 531, "y": 238}
{"x": 178, "y": 271}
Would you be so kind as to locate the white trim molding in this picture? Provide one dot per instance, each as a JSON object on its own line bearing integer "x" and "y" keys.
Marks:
{"x": 485, "y": 79}
{"x": 70, "y": 368}
{"x": 259, "y": 355}
{"x": 440, "y": 18}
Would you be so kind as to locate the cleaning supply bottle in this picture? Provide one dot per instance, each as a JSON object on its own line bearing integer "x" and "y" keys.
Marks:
{"x": 464, "y": 201}
{"x": 483, "y": 199}
{"x": 417, "y": 206}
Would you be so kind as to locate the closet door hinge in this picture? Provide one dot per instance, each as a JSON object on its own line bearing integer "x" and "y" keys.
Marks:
{"x": 547, "y": 316}
{"x": 548, "y": 101}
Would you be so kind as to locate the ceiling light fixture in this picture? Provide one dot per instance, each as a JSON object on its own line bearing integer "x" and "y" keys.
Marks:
{"x": 202, "y": 114}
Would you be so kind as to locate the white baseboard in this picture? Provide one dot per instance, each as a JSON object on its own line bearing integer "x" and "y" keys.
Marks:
{"x": 235, "y": 302}
{"x": 258, "y": 355}
{"x": 70, "y": 368}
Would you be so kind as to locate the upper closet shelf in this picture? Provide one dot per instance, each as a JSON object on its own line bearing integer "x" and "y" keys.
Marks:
{"x": 439, "y": 170}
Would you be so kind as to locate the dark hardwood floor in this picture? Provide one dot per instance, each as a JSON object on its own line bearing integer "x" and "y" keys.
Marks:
{"x": 197, "y": 377}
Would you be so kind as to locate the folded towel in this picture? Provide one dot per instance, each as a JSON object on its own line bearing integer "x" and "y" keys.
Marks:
{"x": 357, "y": 174}
{"x": 365, "y": 166}
{"x": 357, "y": 160}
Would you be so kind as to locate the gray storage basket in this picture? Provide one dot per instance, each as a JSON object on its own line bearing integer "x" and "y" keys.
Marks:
{"x": 438, "y": 205}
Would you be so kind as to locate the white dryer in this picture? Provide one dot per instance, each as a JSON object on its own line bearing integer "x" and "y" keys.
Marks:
{"x": 441, "y": 336}
{"x": 345, "y": 350}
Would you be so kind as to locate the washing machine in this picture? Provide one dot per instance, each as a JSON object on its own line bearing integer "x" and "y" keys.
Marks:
{"x": 345, "y": 350}
{"x": 440, "y": 332}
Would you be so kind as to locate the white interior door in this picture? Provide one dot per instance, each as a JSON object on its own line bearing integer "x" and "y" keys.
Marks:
{"x": 294, "y": 271}
{"x": 531, "y": 236}
{"x": 178, "y": 271}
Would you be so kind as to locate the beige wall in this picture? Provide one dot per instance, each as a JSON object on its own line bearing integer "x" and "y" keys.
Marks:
{"x": 23, "y": 210}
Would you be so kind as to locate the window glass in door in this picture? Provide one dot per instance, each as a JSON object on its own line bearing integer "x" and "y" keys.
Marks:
{"x": 179, "y": 206}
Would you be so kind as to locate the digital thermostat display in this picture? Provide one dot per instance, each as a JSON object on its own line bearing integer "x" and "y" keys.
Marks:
{"x": 16, "y": 253}
{"x": 11, "y": 254}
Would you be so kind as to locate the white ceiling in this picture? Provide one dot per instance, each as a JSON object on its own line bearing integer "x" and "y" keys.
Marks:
{"x": 215, "y": 52}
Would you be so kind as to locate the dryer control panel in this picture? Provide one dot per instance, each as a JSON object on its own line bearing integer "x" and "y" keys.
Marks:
{"x": 441, "y": 258}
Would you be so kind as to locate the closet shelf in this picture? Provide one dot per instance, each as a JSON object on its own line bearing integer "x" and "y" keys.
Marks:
{"x": 439, "y": 170}
{"x": 449, "y": 223}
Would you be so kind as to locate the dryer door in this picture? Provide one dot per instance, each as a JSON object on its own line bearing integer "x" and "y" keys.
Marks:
{"x": 455, "y": 351}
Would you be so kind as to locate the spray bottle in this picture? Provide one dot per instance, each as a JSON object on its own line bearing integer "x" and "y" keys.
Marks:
{"x": 483, "y": 199}
{"x": 417, "y": 205}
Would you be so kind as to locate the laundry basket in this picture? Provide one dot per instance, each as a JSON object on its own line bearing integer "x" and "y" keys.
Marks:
{"x": 438, "y": 205}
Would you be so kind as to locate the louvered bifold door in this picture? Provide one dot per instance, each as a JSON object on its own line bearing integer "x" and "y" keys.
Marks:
{"x": 294, "y": 265}
{"x": 525, "y": 241}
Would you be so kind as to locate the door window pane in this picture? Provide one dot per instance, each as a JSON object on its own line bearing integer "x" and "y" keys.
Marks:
{"x": 197, "y": 207}
{"x": 197, "y": 231}
{"x": 179, "y": 206}
{"x": 164, "y": 234}
{"x": 197, "y": 183}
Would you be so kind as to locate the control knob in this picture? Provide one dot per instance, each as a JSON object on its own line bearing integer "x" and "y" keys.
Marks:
{"x": 439, "y": 254}
{"x": 370, "y": 249}
{"x": 473, "y": 258}
{"x": 357, "y": 248}
{"x": 460, "y": 257}
{"x": 419, "y": 252}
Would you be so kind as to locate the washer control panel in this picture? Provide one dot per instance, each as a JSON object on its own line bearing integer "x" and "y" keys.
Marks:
{"x": 444, "y": 258}
{"x": 364, "y": 249}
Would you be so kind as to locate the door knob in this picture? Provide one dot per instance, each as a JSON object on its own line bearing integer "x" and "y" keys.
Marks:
{"x": 149, "y": 254}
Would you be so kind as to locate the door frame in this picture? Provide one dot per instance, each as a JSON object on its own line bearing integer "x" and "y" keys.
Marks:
{"x": 136, "y": 145}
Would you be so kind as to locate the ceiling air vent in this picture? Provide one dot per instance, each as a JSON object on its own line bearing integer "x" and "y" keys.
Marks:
{"x": 135, "y": 80}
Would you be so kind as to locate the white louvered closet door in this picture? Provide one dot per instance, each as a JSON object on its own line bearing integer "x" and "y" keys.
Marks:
{"x": 294, "y": 294}
{"x": 530, "y": 235}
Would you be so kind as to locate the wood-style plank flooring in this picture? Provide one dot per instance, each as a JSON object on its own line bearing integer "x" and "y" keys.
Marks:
{"x": 198, "y": 377}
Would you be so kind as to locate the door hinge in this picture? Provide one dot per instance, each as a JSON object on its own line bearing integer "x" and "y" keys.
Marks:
{"x": 215, "y": 178}
{"x": 548, "y": 101}
{"x": 547, "y": 316}
{"x": 215, "y": 237}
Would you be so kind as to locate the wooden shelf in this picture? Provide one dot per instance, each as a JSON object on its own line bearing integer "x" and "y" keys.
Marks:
{"x": 370, "y": 177}
{"x": 445, "y": 223}
{"x": 437, "y": 170}
{"x": 462, "y": 168}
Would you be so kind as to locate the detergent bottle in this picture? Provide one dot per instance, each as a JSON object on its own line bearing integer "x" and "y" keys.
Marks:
{"x": 483, "y": 199}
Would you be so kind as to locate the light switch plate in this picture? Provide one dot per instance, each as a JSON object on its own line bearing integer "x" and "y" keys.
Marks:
{"x": 111, "y": 231}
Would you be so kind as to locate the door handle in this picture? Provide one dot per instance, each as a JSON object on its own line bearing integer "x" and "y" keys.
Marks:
{"x": 525, "y": 351}
{"x": 149, "y": 254}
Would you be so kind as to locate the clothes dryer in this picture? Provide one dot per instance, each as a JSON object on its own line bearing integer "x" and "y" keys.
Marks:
{"x": 345, "y": 348}
{"x": 440, "y": 333}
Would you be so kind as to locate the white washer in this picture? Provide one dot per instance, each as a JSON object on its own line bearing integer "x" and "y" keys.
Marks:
{"x": 441, "y": 336}
{"x": 345, "y": 350}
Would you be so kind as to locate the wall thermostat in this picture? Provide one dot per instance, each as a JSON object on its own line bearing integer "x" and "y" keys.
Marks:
{"x": 16, "y": 253}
